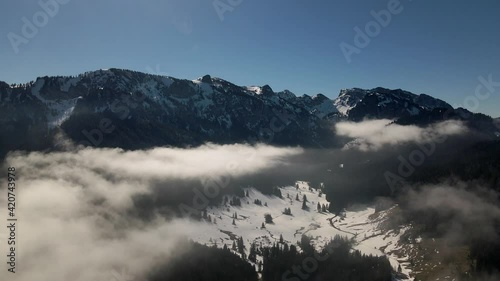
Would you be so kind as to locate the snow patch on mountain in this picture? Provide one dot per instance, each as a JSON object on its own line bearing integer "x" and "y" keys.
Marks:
{"x": 36, "y": 89}
{"x": 386, "y": 100}
{"x": 254, "y": 89}
{"x": 150, "y": 89}
{"x": 347, "y": 99}
{"x": 204, "y": 88}
{"x": 414, "y": 111}
{"x": 58, "y": 110}
{"x": 323, "y": 108}
{"x": 363, "y": 225}
{"x": 374, "y": 239}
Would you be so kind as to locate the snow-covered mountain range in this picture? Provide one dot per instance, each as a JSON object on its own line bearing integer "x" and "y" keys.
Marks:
{"x": 129, "y": 109}
{"x": 134, "y": 110}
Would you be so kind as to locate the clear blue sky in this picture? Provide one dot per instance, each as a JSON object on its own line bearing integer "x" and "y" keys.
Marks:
{"x": 434, "y": 47}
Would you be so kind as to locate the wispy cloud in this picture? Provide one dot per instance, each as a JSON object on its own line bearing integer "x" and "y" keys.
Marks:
{"x": 74, "y": 206}
{"x": 461, "y": 214}
{"x": 372, "y": 135}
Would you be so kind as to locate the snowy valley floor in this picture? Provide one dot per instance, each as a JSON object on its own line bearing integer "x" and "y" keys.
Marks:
{"x": 364, "y": 226}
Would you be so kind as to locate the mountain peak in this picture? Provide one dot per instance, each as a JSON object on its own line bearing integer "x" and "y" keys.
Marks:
{"x": 267, "y": 90}
{"x": 320, "y": 97}
{"x": 287, "y": 95}
{"x": 349, "y": 98}
{"x": 206, "y": 79}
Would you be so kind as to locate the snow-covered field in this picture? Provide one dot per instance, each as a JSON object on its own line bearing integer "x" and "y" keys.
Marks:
{"x": 362, "y": 224}
{"x": 58, "y": 110}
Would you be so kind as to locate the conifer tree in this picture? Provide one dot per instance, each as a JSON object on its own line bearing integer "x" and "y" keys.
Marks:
{"x": 268, "y": 218}
{"x": 252, "y": 255}
{"x": 241, "y": 247}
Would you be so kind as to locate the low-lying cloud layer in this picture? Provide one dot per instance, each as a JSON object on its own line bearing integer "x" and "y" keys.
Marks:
{"x": 460, "y": 213}
{"x": 80, "y": 218}
{"x": 73, "y": 207}
{"x": 372, "y": 135}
